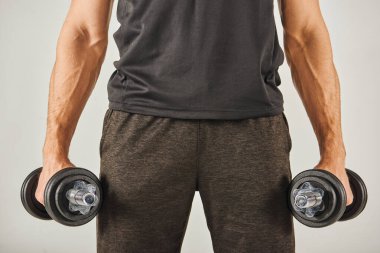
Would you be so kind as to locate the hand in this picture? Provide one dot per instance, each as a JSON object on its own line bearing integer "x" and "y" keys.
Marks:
{"x": 50, "y": 167}
{"x": 339, "y": 170}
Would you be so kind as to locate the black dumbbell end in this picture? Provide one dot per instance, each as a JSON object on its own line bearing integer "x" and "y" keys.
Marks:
{"x": 334, "y": 197}
{"x": 56, "y": 202}
{"x": 359, "y": 190}
{"x": 28, "y": 199}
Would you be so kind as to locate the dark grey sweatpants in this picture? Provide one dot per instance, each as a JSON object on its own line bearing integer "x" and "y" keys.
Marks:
{"x": 151, "y": 167}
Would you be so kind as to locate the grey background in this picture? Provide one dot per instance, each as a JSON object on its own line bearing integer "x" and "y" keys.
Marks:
{"x": 28, "y": 35}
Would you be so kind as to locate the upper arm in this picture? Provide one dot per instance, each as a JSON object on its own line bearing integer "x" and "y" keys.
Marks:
{"x": 89, "y": 19}
{"x": 302, "y": 19}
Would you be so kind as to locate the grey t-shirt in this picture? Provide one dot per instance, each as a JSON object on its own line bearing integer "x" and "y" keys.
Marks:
{"x": 197, "y": 59}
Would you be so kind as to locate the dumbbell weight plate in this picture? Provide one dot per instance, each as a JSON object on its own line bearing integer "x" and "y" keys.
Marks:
{"x": 28, "y": 199}
{"x": 56, "y": 202}
{"x": 63, "y": 203}
{"x": 334, "y": 198}
{"x": 359, "y": 191}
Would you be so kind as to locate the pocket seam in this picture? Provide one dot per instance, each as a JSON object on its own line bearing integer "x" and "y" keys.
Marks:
{"x": 106, "y": 124}
{"x": 287, "y": 132}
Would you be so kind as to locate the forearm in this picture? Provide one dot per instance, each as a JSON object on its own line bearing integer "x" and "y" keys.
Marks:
{"x": 76, "y": 69}
{"x": 315, "y": 78}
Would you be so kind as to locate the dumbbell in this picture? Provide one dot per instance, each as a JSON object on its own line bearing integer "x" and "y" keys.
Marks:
{"x": 72, "y": 197}
{"x": 317, "y": 198}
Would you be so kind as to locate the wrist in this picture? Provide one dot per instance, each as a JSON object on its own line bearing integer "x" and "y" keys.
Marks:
{"x": 333, "y": 149}
{"x": 332, "y": 159}
{"x": 332, "y": 154}
{"x": 53, "y": 162}
{"x": 54, "y": 151}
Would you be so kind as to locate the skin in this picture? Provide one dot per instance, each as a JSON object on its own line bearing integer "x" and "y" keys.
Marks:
{"x": 309, "y": 55}
{"x": 82, "y": 46}
{"x": 80, "y": 53}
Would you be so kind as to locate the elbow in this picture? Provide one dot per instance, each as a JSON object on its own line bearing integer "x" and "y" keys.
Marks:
{"x": 98, "y": 46}
{"x": 309, "y": 44}
{"x": 96, "y": 41}
{"x": 93, "y": 38}
{"x": 96, "y": 37}
{"x": 294, "y": 44}
{"x": 84, "y": 41}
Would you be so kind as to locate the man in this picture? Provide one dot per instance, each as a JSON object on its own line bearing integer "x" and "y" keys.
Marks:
{"x": 195, "y": 105}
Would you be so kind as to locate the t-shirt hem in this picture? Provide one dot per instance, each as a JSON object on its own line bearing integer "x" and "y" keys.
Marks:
{"x": 196, "y": 113}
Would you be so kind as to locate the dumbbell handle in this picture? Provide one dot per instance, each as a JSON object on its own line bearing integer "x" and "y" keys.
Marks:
{"x": 308, "y": 199}
{"x": 81, "y": 198}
